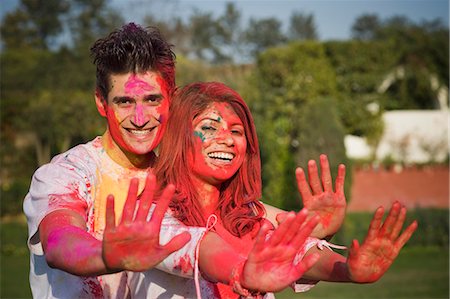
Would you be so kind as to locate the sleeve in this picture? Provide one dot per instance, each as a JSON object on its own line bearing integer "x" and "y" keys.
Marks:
{"x": 180, "y": 262}
{"x": 57, "y": 185}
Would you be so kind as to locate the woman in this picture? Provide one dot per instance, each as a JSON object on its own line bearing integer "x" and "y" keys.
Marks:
{"x": 210, "y": 154}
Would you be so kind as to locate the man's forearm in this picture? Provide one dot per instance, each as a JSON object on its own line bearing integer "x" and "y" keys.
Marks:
{"x": 330, "y": 267}
{"x": 68, "y": 246}
{"x": 73, "y": 250}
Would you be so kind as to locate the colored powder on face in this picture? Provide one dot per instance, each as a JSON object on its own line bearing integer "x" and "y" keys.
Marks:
{"x": 200, "y": 134}
{"x": 136, "y": 86}
{"x": 139, "y": 118}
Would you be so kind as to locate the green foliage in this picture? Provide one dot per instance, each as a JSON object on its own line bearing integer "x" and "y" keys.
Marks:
{"x": 419, "y": 50}
{"x": 294, "y": 94}
{"x": 302, "y": 27}
{"x": 360, "y": 69}
{"x": 262, "y": 34}
{"x": 12, "y": 195}
{"x": 34, "y": 24}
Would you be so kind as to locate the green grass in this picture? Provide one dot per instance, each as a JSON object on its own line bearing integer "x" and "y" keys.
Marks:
{"x": 14, "y": 261}
{"x": 418, "y": 272}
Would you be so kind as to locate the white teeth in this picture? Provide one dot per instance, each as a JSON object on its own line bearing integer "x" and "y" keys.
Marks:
{"x": 140, "y": 132}
{"x": 221, "y": 155}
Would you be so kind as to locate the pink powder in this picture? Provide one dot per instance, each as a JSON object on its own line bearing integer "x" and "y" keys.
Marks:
{"x": 135, "y": 86}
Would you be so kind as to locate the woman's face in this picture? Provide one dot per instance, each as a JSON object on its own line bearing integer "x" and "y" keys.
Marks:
{"x": 220, "y": 144}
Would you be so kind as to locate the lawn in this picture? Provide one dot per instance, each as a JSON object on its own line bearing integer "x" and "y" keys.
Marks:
{"x": 417, "y": 273}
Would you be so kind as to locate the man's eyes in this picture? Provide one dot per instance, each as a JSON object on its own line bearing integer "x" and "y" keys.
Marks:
{"x": 154, "y": 99}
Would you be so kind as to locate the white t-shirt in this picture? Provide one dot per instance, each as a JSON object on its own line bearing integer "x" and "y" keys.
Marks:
{"x": 80, "y": 179}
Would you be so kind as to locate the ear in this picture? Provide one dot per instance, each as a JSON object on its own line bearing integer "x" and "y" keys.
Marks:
{"x": 100, "y": 103}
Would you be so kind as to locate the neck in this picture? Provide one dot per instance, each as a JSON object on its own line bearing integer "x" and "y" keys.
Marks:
{"x": 126, "y": 159}
{"x": 208, "y": 196}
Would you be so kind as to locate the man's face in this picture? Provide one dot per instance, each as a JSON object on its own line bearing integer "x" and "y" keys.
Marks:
{"x": 136, "y": 109}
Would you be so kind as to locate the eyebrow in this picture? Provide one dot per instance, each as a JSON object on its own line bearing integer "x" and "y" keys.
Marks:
{"x": 240, "y": 123}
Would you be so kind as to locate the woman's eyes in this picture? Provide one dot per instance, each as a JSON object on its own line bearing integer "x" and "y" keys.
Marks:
{"x": 208, "y": 128}
{"x": 237, "y": 132}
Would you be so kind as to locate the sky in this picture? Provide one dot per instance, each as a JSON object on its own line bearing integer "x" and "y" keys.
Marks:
{"x": 333, "y": 18}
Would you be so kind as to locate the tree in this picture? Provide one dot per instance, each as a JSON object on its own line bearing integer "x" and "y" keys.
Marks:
{"x": 366, "y": 27}
{"x": 302, "y": 27}
{"x": 291, "y": 87}
{"x": 230, "y": 36}
{"x": 204, "y": 34}
{"x": 262, "y": 34}
{"x": 35, "y": 23}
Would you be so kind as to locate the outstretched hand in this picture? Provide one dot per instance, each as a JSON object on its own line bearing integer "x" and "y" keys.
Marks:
{"x": 319, "y": 198}
{"x": 271, "y": 264}
{"x": 134, "y": 243}
{"x": 370, "y": 260}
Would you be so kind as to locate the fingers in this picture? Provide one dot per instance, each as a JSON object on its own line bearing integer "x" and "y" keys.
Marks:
{"x": 302, "y": 185}
{"x": 404, "y": 237}
{"x": 375, "y": 224}
{"x": 283, "y": 230}
{"x": 398, "y": 224}
{"x": 110, "y": 216}
{"x": 296, "y": 228}
{"x": 130, "y": 203}
{"x": 177, "y": 242}
{"x": 280, "y": 217}
{"x": 162, "y": 205}
{"x": 353, "y": 251}
{"x": 307, "y": 263}
{"x": 260, "y": 241}
{"x": 326, "y": 175}
{"x": 390, "y": 220}
{"x": 340, "y": 179}
{"x": 314, "y": 177}
{"x": 146, "y": 198}
{"x": 305, "y": 232}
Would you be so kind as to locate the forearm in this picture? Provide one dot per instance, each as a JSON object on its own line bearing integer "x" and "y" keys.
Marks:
{"x": 330, "y": 267}
{"x": 73, "y": 250}
{"x": 217, "y": 259}
{"x": 68, "y": 246}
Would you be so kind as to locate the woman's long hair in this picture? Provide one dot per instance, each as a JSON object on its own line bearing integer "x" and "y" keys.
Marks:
{"x": 239, "y": 208}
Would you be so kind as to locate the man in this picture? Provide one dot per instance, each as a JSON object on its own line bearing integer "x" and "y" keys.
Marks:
{"x": 66, "y": 203}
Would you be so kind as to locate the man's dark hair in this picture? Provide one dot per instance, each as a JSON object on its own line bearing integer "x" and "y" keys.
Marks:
{"x": 133, "y": 49}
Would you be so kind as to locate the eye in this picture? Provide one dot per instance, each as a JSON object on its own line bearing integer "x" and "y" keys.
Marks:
{"x": 237, "y": 131}
{"x": 208, "y": 128}
{"x": 153, "y": 99}
{"x": 125, "y": 102}
{"x": 122, "y": 101}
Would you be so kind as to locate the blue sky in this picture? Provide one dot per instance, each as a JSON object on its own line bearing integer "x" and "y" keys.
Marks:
{"x": 333, "y": 18}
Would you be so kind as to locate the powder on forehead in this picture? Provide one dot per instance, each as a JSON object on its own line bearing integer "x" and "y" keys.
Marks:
{"x": 136, "y": 86}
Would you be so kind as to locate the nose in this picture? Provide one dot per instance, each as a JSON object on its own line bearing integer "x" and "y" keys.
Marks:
{"x": 225, "y": 137}
{"x": 139, "y": 118}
